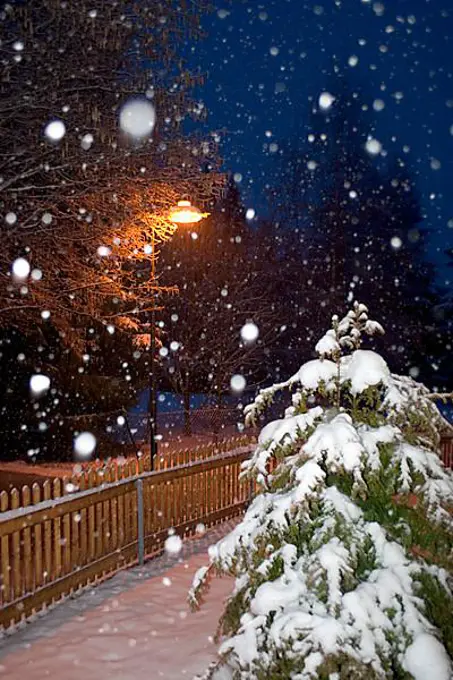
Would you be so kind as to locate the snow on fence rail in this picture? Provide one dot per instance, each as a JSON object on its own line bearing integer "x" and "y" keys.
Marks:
{"x": 60, "y": 544}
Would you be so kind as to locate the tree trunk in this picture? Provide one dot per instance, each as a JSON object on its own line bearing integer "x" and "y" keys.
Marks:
{"x": 186, "y": 406}
{"x": 217, "y": 420}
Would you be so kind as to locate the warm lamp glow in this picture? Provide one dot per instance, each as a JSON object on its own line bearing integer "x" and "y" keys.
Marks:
{"x": 186, "y": 213}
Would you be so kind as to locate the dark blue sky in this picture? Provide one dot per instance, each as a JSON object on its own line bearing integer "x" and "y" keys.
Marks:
{"x": 268, "y": 61}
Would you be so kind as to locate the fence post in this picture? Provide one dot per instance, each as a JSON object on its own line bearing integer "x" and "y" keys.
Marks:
{"x": 140, "y": 523}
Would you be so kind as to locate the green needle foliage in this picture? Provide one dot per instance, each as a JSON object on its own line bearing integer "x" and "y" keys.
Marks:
{"x": 343, "y": 562}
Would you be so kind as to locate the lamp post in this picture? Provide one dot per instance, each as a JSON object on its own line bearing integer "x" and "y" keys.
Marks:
{"x": 183, "y": 213}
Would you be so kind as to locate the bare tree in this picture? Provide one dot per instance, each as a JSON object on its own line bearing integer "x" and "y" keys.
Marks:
{"x": 80, "y": 210}
{"x": 222, "y": 287}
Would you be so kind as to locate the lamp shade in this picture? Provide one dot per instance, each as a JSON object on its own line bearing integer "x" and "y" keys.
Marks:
{"x": 186, "y": 213}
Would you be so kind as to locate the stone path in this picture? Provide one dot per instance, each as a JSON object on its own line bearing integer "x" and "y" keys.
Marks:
{"x": 135, "y": 626}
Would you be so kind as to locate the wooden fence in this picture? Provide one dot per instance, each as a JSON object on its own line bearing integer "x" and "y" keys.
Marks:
{"x": 61, "y": 543}
{"x": 60, "y": 537}
{"x": 90, "y": 475}
{"x": 446, "y": 448}
{"x": 172, "y": 458}
{"x": 169, "y": 459}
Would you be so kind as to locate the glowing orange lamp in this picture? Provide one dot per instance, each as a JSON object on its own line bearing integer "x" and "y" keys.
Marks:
{"x": 186, "y": 213}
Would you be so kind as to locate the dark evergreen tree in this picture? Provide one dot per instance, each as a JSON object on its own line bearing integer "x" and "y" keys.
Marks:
{"x": 353, "y": 220}
{"x": 342, "y": 563}
{"x": 86, "y": 392}
{"x": 439, "y": 346}
{"x": 216, "y": 267}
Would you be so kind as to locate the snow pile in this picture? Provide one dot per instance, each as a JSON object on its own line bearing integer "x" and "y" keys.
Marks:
{"x": 364, "y": 369}
{"x": 280, "y": 433}
{"x": 343, "y": 561}
{"x": 426, "y": 657}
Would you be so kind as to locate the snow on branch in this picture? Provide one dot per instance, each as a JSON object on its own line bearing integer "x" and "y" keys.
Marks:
{"x": 343, "y": 559}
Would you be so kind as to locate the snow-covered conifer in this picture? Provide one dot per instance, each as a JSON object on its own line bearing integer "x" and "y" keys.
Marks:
{"x": 343, "y": 561}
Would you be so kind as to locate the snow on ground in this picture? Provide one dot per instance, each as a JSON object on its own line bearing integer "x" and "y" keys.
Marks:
{"x": 19, "y": 472}
{"x": 41, "y": 470}
{"x": 135, "y": 626}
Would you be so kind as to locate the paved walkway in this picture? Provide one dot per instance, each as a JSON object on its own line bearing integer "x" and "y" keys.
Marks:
{"x": 135, "y": 626}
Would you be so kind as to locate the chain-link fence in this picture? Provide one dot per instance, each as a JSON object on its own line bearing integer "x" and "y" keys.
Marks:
{"x": 209, "y": 421}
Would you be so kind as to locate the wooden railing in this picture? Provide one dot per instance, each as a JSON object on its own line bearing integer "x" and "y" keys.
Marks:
{"x": 167, "y": 459}
{"x": 58, "y": 545}
{"x": 90, "y": 475}
{"x": 56, "y": 540}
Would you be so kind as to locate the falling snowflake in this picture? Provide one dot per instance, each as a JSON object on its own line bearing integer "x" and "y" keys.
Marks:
{"x": 249, "y": 332}
{"x": 36, "y": 274}
{"x": 103, "y": 251}
{"x": 396, "y": 242}
{"x": 87, "y": 141}
{"x": 373, "y": 146}
{"x": 55, "y": 130}
{"x": 138, "y": 118}
{"x": 39, "y": 384}
{"x": 84, "y": 445}
{"x": 21, "y": 268}
{"x": 326, "y": 100}
{"x": 378, "y": 105}
{"x": 173, "y": 545}
{"x": 238, "y": 383}
{"x": 10, "y": 218}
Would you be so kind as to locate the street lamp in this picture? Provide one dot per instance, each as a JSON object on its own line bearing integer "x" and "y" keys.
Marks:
{"x": 186, "y": 213}
{"x": 183, "y": 213}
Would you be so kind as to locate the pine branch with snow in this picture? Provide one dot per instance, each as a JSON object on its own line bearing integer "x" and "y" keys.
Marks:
{"x": 343, "y": 562}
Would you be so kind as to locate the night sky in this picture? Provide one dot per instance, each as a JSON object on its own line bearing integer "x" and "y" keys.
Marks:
{"x": 268, "y": 62}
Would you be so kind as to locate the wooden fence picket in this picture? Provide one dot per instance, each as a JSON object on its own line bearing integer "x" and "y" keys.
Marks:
{"x": 98, "y": 531}
{"x": 37, "y": 540}
{"x": 57, "y": 537}
{"x": 47, "y": 575}
{"x": 91, "y": 483}
{"x": 67, "y": 487}
{"x": 5, "y": 556}
{"x": 121, "y": 513}
{"x": 15, "y": 540}
{"x": 27, "y": 584}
